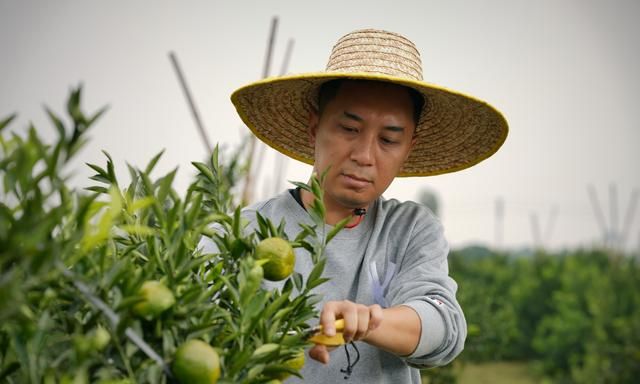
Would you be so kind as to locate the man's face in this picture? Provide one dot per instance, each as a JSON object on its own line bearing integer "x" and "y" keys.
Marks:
{"x": 363, "y": 136}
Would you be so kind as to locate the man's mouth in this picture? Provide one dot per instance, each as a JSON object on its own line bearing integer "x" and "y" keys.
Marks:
{"x": 357, "y": 178}
{"x": 356, "y": 181}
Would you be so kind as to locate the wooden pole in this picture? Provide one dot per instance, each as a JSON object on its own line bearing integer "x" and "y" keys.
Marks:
{"x": 628, "y": 218}
{"x": 192, "y": 105}
{"x": 595, "y": 204}
{"x": 248, "y": 185}
{"x": 282, "y": 160}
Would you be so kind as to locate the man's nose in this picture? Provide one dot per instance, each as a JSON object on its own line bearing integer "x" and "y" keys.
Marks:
{"x": 363, "y": 151}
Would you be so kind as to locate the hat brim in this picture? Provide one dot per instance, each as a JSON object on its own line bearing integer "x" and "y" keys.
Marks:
{"x": 455, "y": 131}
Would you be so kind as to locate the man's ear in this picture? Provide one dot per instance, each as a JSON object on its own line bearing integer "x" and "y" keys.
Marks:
{"x": 312, "y": 126}
{"x": 411, "y": 145}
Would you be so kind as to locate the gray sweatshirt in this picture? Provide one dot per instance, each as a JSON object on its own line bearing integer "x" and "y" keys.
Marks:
{"x": 396, "y": 256}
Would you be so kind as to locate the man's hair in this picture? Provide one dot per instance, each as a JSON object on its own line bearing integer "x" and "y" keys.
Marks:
{"x": 329, "y": 90}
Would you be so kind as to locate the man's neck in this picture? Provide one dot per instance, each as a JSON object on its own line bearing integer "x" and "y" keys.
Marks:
{"x": 333, "y": 213}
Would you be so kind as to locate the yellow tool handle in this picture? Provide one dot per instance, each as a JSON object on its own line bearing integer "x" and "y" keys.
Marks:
{"x": 330, "y": 341}
{"x": 339, "y": 324}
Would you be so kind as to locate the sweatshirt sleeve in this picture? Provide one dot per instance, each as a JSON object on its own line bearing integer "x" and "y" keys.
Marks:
{"x": 423, "y": 283}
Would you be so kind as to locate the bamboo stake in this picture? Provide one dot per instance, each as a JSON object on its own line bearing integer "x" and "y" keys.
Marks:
{"x": 246, "y": 193}
{"x": 628, "y": 219}
{"x": 595, "y": 204}
{"x": 192, "y": 105}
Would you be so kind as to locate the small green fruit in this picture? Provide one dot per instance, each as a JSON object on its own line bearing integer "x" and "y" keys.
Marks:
{"x": 157, "y": 298}
{"x": 280, "y": 258}
{"x": 296, "y": 363}
{"x": 100, "y": 338}
{"x": 196, "y": 362}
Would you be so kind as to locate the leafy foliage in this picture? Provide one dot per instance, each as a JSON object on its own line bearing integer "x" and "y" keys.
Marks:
{"x": 574, "y": 314}
{"x": 73, "y": 264}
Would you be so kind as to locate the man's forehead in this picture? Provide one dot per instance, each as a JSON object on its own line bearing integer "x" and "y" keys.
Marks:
{"x": 350, "y": 86}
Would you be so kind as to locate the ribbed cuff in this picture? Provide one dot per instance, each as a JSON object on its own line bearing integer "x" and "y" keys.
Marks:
{"x": 433, "y": 328}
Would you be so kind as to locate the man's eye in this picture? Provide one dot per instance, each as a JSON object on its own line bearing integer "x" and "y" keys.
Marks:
{"x": 348, "y": 129}
{"x": 388, "y": 141}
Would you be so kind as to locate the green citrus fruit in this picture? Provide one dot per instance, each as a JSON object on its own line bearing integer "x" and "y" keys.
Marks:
{"x": 196, "y": 362}
{"x": 115, "y": 381}
{"x": 100, "y": 338}
{"x": 280, "y": 258}
{"x": 296, "y": 363}
{"x": 157, "y": 298}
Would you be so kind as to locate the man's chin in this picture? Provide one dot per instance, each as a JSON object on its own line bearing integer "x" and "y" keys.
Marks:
{"x": 353, "y": 202}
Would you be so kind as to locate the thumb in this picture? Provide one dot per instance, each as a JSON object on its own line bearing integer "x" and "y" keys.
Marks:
{"x": 320, "y": 353}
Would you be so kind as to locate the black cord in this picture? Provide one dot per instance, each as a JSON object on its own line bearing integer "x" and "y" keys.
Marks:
{"x": 350, "y": 366}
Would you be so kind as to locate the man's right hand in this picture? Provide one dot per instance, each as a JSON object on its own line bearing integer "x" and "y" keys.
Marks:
{"x": 359, "y": 321}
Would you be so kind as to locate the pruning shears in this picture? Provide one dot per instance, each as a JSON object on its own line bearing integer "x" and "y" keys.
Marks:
{"x": 316, "y": 335}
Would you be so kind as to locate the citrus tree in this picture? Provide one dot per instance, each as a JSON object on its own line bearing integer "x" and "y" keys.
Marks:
{"x": 110, "y": 284}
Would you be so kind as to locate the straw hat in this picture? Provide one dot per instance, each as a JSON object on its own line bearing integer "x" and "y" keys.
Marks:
{"x": 455, "y": 131}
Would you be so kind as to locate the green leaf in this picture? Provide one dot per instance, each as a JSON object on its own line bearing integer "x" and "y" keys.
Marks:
{"x": 337, "y": 228}
{"x": 153, "y": 162}
{"x": 317, "y": 270}
{"x": 100, "y": 179}
{"x": 314, "y": 299}
{"x": 57, "y": 123}
{"x": 254, "y": 371}
{"x": 10, "y": 368}
{"x": 214, "y": 159}
{"x": 315, "y": 188}
{"x": 195, "y": 209}
{"x": 75, "y": 147}
{"x": 262, "y": 225}
{"x": 138, "y": 230}
{"x": 303, "y": 234}
{"x": 297, "y": 280}
{"x": 99, "y": 169}
{"x": 272, "y": 228}
{"x": 73, "y": 104}
{"x": 315, "y": 283}
{"x": 6, "y": 121}
{"x": 265, "y": 350}
{"x": 301, "y": 185}
{"x": 111, "y": 173}
{"x": 236, "y": 222}
{"x": 97, "y": 115}
{"x": 280, "y": 229}
{"x": 279, "y": 369}
{"x": 276, "y": 304}
{"x": 204, "y": 170}
{"x": 165, "y": 185}
{"x": 98, "y": 189}
{"x": 141, "y": 203}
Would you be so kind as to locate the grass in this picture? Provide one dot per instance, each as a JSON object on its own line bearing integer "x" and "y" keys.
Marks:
{"x": 497, "y": 373}
{"x": 494, "y": 373}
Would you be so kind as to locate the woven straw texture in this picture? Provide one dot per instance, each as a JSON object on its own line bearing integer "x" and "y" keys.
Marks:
{"x": 455, "y": 131}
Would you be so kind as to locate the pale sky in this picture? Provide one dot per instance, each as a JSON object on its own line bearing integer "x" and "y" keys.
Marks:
{"x": 564, "y": 73}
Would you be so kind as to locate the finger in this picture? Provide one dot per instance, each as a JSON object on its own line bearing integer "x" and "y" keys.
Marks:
{"x": 328, "y": 318}
{"x": 376, "y": 316}
{"x": 350, "y": 316}
{"x": 320, "y": 353}
{"x": 363, "y": 322}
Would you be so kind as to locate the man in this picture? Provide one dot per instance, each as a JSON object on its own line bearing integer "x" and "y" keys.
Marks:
{"x": 365, "y": 120}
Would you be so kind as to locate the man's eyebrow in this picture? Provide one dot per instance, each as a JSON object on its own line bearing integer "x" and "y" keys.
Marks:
{"x": 353, "y": 116}
{"x": 394, "y": 128}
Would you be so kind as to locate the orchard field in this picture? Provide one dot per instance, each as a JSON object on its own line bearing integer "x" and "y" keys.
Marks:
{"x": 571, "y": 317}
